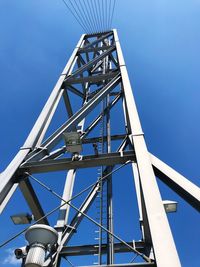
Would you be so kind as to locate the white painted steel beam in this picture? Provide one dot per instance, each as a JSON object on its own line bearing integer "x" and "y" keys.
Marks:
{"x": 177, "y": 182}
{"x": 32, "y": 201}
{"x": 6, "y": 177}
{"x": 164, "y": 248}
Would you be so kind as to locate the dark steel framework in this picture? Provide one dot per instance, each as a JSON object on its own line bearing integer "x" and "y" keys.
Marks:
{"x": 96, "y": 72}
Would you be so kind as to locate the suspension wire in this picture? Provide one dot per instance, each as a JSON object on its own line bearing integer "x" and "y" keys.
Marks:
{"x": 102, "y": 7}
{"x": 114, "y": 4}
{"x": 63, "y": 204}
{"x": 95, "y": 14}
{"x": 86, "y": 15}
{"x": 72, "y": 12}
{"x": 92, "y": 15}
{"x": 82, "y": 13}
{"x": 99, "y": 8}
{"x": 75, "y": 10}
{"x": 94, "y": 4}
{"x": 109, "y": 12}
{"x": 91, "y": 219}
{"x": 106, "y": 11}
{"x": 106, "y": 14}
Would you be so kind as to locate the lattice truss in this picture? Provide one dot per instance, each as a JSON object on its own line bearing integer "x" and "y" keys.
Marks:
{"x": 95, "y": 82}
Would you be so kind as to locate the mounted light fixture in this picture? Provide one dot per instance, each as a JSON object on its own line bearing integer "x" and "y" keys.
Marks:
{"x": 73, "y": 142}
{"x": 41, "y": 240}
{"x": 22, "y": 218}
{"x": 170, "y": 206}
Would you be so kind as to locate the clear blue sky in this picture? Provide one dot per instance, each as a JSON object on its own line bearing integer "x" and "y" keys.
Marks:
{"x": 160, "y": 41}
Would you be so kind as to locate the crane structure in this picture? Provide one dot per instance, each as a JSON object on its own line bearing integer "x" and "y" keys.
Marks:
{"x": 96, "y": 74}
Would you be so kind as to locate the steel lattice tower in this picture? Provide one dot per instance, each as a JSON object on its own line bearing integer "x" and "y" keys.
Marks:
{"x": 96, "y": 72}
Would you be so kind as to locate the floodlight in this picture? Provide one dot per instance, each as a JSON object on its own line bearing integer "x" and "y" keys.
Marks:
{"x": 170, "y": 206}
{"x": 41, "y": 239}
{"x": 22, "y": 218}
{"x": 73, "y": 142}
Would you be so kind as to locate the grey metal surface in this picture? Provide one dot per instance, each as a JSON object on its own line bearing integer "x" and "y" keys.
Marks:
{"x": 32, "y": 200}
{"x": 85, "y": 162}
{"x": 93, "y": 249}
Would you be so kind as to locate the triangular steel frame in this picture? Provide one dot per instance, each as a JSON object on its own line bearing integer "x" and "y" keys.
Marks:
{"x": 86, "y": 67}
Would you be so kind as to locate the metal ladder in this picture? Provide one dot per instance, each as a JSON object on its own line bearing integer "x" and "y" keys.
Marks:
{"x": 101, "y": 198}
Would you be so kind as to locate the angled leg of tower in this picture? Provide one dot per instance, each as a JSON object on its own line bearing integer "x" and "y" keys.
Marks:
{"x": 162, "y": 240}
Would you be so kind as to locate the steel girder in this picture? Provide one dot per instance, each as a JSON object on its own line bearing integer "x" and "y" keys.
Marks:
{"x": 87, "y": 67}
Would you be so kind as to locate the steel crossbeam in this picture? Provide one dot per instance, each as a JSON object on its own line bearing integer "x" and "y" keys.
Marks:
{"x": 91, "y": 79}
{"x": 84, "y": 162}
{"x": 95, "y": 49}
{"x": 93, "y": 249}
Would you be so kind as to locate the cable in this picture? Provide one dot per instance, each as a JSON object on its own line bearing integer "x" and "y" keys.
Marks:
{"x": 69, "y": 261}
{"x": 109, "y": 12}
{"x": 101, "y": 23}
{"x": 86, "y": 15}
{"x": 133, "y": 259}
{"x": 103, "y": 13}
{"x": 92, "y": 220}
{"x": 71, "y": 2}
{"x": 95, "y": 14}
{"x": 89, "y": 17}
{"x": 112, "y": 13}
{"x": 21, "y": 232}
{"x": 106, "y": 15}
{"x": 66, "y": 202}
{"x": 79, "y": 22}
{"x": 92, "y": 15}
{"x": 82, "y": 14}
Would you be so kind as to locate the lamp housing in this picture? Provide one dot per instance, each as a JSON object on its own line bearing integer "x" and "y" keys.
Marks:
{"x": 170, "y": 206}
{"x": 22, "y": 218}
{"x": 73, "y": 142}
{"x": 41, "y": 238}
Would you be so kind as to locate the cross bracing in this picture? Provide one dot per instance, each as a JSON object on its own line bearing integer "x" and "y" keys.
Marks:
{"x": 96, "y": 74}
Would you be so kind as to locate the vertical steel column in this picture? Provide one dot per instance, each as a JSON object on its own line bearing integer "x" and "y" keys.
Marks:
{"x": 163, "y": 243}
{"x": 110, "y": 240}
